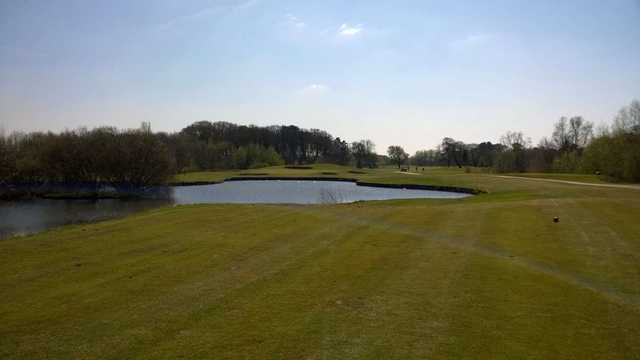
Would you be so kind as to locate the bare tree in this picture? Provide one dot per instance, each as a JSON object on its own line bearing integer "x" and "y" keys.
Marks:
{"x": 560, "y": 135}
{"x": 451, "y": 151}
{"x": 397, "y": 155}
{"x": 580, "y": 132}
{"x": 546, "y": 143}
{"x": 515, "y": 140}
{"x": 572, "y": 134}
{"x": 145, "y": 127}
{"x": 602, "y": 130}
{"x": 363, "y": 152}
{"x": 628, "y": 119}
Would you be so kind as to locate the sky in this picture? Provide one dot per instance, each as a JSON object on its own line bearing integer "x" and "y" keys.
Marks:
{"x": 396, "y": 72}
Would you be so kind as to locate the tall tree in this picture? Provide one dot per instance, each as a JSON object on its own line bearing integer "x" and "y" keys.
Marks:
{"x": 572, "y": 134}
{"x": 560, "y": 135}
{"x": 514, "y": 156}
{"x": 514, "y": 140}
{"x": 628, "y": 119}
{"x": 397, "y": 155}
{"x": 580, "y": 132}
{"x": 426, "y": 157}
{"x": 452, "y": 151}
{"x": 339, "y": 152}
{"x": 363, "y": 152}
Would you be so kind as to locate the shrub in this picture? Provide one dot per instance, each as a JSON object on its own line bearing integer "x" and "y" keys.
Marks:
{"x": 567, "y": 162}
{"x": 616, "y": 156}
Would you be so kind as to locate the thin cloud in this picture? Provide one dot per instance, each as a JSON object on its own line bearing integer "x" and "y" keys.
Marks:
{"x": 471, "y": 41}
{"x": 348, "y": 30}
{"x": 313, "y": 89}
{"x": 295, "y": 21}
{"x": 208, "y": 11}
{"x": 246, "y": 4}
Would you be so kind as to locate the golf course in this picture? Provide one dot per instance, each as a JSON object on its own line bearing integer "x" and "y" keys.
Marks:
{"x": 489, "y": 276}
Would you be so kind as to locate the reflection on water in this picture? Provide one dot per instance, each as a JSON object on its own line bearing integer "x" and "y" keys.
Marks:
{"x": 297, "y": 192}
{"x": 29, "y": 216}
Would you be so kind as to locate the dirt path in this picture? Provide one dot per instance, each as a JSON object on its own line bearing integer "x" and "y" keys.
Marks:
{"x": 407, "y": 173}
{"x": 619, "y": 186}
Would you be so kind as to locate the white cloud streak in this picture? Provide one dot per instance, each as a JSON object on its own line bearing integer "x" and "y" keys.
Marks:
{"x": 315, "y": 89}
{"x": 295, "y": 21}
{"x": 208, "y": 11}
{"x": 470, "y": 41}
{"x": 348, "y": 30}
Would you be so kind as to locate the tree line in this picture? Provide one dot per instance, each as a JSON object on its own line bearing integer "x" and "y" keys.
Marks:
{"x": 212, "y": 145}
{"x": 574, "y": 146}
{"x": 105, "y": 155}
{"x": 140, "y": 157}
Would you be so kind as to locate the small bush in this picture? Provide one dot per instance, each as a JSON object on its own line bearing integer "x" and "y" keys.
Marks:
{"x": 615, "y": 156}
{"x": 567, "y": 162}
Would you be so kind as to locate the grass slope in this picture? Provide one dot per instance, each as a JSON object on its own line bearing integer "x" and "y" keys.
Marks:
{"x": 485, "y": 277}
{"x": 595, "y": 179}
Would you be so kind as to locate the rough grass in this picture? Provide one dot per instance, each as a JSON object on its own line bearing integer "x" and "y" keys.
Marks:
{"x": 485, "y": 277}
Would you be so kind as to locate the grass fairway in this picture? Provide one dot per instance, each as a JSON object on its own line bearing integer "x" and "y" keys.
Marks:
{"x": 489, "y": 276}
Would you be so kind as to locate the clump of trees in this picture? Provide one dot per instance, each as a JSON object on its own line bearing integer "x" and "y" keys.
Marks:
{"x": 513, "y": 156}
{"x": 456, "y": 153}
{"x": 140, "y": 157}
{"x": 572, "y": 147}
{"x": 208, "y": 145}
{"x": 397, "y": 155}
{"x": 615, "y": 152}
{"x": 628, "y": 119}
{"x": 364, "y": 153}
{"x": 131, "y": 158}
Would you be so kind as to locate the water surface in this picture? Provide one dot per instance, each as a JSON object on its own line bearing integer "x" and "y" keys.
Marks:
{"x": 30, "y": 216}
{"x": 297, "y": 192}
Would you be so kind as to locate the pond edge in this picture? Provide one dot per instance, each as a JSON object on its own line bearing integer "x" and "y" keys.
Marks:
{"x": 455, "y": 189}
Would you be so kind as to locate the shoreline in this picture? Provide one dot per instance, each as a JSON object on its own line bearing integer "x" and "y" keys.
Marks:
{"x": 455, "y": 189}
{"x": 34, "y": 194}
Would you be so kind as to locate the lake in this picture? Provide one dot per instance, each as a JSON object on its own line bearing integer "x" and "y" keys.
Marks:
{"x": 30, "y": 216}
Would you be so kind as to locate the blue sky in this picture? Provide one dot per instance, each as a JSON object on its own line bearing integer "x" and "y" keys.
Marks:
{"x": 396, "y": 72}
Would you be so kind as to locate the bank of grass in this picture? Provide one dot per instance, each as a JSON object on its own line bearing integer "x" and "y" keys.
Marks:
{"x": 384, "y": 175}
{"x": 491, "y": 276}
{"x": 318, "y": 170}
{"x": 593, "y": 179}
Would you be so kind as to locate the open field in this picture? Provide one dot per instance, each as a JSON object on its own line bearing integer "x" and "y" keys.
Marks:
{"x": 489, "y": 276}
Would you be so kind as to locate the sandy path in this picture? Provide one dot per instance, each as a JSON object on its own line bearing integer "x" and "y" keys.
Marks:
{"x": 619, "y": 186}
{"x": 407, "y": 173}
